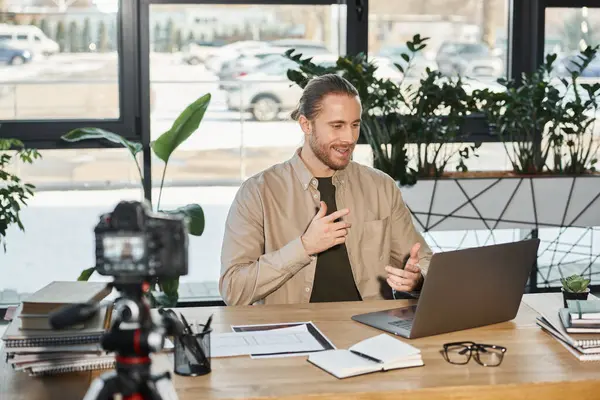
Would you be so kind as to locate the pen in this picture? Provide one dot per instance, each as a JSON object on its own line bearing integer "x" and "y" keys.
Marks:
{"x": 188, "y": 328}
{"x": 366, "y": 356}
{"x": 207, "y": 326}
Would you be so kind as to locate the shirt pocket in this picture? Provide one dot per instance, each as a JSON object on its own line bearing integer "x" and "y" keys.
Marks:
{"x": 375, "y": 244}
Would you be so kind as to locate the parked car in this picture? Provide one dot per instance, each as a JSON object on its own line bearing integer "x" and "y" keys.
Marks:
{"x": 468, "y": 59}
{"x": 301, "y": 46}
{"x": 229, "y": 52}
{"x": 267, "y": 91}
{"x": 9, "y": 54}
{"x": 264, "y": 93}
{"x": 250, "y": 60}
{"x": 28, "y": 37}
{"x": 198, "y": 51}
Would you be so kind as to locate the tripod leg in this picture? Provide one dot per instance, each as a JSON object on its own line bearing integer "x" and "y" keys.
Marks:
{"x": 160, "y": 387}
{"x": 103, "y": 388}
{"x": 151, "y": 392}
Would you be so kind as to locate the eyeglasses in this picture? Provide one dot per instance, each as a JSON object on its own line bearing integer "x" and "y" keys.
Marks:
{"x": 487, "y": 355}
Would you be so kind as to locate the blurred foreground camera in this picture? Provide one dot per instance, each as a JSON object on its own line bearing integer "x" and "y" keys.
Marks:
{"x": 133, "y": 241}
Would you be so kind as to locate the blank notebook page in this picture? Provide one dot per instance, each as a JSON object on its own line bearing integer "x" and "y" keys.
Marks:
{"x": 387, "y": 349}
{"x": 342, "y": 363}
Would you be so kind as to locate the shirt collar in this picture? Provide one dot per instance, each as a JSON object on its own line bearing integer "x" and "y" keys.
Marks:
{"x": 306, "y": 178}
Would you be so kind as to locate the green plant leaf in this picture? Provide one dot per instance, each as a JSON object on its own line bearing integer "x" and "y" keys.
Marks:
{"x": 170, "y": 292}
{"x": 195, "y": 215}
{"x": 79, "y": 134}
{"x": 183, "y": 127}
{"x": 163, "y": 300}
{"x": 86, "y": 273}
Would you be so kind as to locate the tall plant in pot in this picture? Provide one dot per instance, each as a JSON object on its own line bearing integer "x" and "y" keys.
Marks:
{"x": 576, "y": 150}
{"x": 543, "y": 121}
{"x": 411, "y": 128}
{"x": 163, "y": 147}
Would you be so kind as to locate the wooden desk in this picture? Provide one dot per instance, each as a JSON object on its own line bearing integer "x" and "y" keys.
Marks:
{"x": 535, "y": 365}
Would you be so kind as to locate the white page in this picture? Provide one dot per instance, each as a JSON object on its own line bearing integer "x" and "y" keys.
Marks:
{"x": 319, "y": 336}
{"x": 342, "y": 363}
{"x": 386, "y": 348}
{"x": 294, "y": 339}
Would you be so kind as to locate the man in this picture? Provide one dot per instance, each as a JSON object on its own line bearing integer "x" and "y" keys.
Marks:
{"x": 320, "y": 227}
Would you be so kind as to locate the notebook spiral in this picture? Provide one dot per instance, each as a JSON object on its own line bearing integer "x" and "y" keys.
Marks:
{"x": 78, "y": 366}
{"x": 52, "y": 341}
{"x": 588, "y": 343}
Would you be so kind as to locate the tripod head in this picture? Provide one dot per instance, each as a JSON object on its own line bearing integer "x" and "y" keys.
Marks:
{"x": 134, "y": 245}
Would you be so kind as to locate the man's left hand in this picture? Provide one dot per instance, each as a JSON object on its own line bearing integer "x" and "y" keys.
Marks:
{"x": 409, "y": 278}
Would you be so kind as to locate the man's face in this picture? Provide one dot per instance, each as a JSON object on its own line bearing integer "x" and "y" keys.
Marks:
{"x": 335, "y": 130}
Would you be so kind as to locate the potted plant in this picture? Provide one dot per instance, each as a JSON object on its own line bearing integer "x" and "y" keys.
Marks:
{"x": 414, "y": 131}
{"x": 183, "y": 127}
{"x": 546, "y": 124}
{"x": 14, "y": 193}
{"x": 574, "y": 287}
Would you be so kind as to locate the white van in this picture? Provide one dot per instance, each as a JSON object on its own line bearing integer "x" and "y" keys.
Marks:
{"x": 28, "y": 37}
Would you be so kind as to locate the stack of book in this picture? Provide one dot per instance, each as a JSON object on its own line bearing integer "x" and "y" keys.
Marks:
{"x": 32, "y": 346}
{"x": 576, "y": 327}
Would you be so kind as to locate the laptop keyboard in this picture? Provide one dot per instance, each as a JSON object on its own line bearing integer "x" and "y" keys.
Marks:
{"x": 403, "y": 323}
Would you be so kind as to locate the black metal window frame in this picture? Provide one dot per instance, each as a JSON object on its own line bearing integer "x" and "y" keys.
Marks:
{"x": 45, "y": 133}
{"x": 525, "y": 53}
{"x": 525, "y": 21}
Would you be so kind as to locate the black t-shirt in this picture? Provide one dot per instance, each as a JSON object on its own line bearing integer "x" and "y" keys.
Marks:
{"x": 333, "y": 276}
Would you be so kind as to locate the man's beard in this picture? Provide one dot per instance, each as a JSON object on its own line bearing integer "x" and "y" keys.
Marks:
{"x": 322, "y": 152}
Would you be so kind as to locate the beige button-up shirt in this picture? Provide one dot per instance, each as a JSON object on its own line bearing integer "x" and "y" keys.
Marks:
{"x": 263, "y": 259}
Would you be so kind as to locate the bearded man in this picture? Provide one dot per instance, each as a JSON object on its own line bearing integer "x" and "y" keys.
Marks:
{"x": 320, "y": 227}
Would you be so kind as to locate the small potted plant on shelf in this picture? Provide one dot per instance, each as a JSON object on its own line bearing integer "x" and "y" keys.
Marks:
{"x": 575, "y": 287}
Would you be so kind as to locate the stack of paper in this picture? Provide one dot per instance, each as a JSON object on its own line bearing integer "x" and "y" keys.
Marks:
{"x": 582, "y": 316}
{"x": 33, "y": 347}
{"x": 294, "y": 340}
{"x": 555, "y": 320}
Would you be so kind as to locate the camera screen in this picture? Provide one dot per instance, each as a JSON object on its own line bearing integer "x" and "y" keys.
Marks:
{"x": 118, "y": 249}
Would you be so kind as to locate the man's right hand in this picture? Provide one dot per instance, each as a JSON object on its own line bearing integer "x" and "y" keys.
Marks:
{"x": 323, "y": 233}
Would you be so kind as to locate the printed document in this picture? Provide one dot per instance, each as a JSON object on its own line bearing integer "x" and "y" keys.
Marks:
{"x": 293, "y": 339}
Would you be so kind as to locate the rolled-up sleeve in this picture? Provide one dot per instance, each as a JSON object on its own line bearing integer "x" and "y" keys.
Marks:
{"x": 247, "y": 274}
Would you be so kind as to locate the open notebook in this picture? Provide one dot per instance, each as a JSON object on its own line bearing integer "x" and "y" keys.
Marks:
{"x": 392, "y": 353}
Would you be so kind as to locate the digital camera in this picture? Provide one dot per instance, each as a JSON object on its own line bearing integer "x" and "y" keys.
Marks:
{"x": 133, "y": 241}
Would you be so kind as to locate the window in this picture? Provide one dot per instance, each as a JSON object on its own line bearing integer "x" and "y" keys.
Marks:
{"x": 567, "y": 31}
{"x": 73, "y": 188}
{"x": 468, "y": 38}
{"x": 250, "y": 104}
{"x": 73, "y": 52}
{"x": 68, "y": 76}
{"x": 235, "y": 52}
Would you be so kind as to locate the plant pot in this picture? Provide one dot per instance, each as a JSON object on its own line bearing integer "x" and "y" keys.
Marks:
{"x": 574, "y": 296}
{"x": 504, "y": 202}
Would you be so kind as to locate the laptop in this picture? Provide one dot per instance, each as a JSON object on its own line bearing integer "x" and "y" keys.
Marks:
{"x": 463, "y": 289}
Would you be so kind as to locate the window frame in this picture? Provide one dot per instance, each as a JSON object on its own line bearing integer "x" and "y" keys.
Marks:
{"x": 45, "y": 134}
